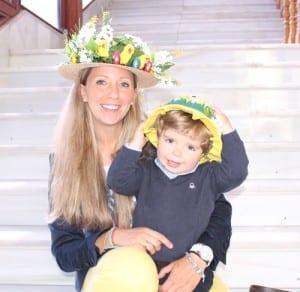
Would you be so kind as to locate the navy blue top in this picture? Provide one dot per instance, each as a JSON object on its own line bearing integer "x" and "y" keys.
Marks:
{"x": 179, "y": 208}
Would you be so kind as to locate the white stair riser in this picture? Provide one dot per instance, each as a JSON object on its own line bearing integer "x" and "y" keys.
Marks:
{"x": 32, "y": 101}
{"x": 36, "y": 78}
{"x": 199, "y": 26}
{"x": 251, "y": 267}
{"x": 239, "y": 54}
{"x": 228, "y": 98}
{"x": 245, "y": 268}
{"x": 188, "y": 73}
{"x": 194, "y": 74}
{"x": 24, "y": 165}
{"x": 32, "y": 265}
{"x": 38, "y": 288}
{"x": 211, "y": 54}
{"x": 27, "y": 204}
{"x": 283, "y": 211}
{"x": 40, "y": 129}
{"x": 30, "y": 164}
{"x": 29, "y": 209}
{"x": 225, "y": 12}
{"x": 276, "y": 210}
{"x": 31, "y": 60}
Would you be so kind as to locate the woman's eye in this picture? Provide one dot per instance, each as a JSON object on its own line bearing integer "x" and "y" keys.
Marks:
{"x": 100, "y": 82}
{"x": 125, "y": 84}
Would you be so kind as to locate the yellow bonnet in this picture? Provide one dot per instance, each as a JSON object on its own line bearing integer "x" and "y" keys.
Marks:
{"x": 200, "y": 109}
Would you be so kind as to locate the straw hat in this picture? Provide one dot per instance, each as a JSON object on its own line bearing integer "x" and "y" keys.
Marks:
{"x": 200, "y": 109}
{"x": 90, "y": 47}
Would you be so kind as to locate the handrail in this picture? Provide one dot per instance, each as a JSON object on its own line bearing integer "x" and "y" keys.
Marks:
{"x": 69, "y": 13}
{"x": 290, "y": 12}
{"x": 8, "y": 9}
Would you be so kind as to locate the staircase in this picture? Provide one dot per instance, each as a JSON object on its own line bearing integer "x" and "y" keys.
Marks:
{"x": 232, "y": 56}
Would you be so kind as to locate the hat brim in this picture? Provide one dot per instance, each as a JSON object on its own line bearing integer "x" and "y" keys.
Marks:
{"x": 215, "y": 152}
{"x": 143, "y": 78}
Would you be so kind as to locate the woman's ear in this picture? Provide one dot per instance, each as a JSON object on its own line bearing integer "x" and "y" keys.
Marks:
{"x": 83, "y": 93}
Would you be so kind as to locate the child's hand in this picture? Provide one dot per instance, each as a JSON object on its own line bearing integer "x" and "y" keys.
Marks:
{"x": 139, "y": 140}
{"x": 223, "y": 121}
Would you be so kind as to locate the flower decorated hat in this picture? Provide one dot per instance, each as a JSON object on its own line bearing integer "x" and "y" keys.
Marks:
{"x": 200, "y": 109}
{"x": 91, "y": 48}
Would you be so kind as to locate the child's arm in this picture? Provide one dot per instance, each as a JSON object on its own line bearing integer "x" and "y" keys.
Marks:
{"x": 223, "y": 121}
{"x": 139, "y": 140}
{"x": 233, "y": 169}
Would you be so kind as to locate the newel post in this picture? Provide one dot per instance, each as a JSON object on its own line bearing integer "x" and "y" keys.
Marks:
{"x": 70, "y": 15}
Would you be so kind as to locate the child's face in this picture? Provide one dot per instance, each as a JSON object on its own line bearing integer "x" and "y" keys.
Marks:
{"x": 177, "y": 152}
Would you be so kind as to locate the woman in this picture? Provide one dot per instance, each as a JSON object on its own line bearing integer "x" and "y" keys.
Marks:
{"x": 100, "y": 115}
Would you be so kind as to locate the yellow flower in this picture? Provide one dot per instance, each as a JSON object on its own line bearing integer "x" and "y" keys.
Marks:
{"x": 144, "y": 59}
{"x": 177, "y": 53}
{"x": 102, "y": 49}
{"x": 126, "y": 54}
{"x": 73, "y": 58}
{"x": 93, "y": 19}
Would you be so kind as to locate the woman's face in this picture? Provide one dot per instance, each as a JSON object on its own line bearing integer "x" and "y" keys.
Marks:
{"x": 109, "y": 92}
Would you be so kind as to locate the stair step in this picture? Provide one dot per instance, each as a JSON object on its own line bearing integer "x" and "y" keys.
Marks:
{"x": 30, "y": 246}
{"x": 247, "y": 74}
{"x": 264, "y": 127}
{"x": 36, "y": 57}
{"x": 255, "y": 98}
{"x": 32, "y": 100}
{"x": 32, "y": 77}
{"x": 26, "y": 198}
{"x": 37, "y": 288}
{"x": 29, "y": 199}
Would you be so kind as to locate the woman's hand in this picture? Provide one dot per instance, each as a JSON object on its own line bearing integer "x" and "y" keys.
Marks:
{"x": 182, "y": 277}
{"x": 143, "y": 237}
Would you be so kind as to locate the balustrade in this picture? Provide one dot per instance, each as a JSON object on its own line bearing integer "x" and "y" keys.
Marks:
{"x": 290, "y": 12}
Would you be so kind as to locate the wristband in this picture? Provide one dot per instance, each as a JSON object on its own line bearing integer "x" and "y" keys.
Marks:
{"x": 110, "y": 238}
{"x": 195, "y": 266}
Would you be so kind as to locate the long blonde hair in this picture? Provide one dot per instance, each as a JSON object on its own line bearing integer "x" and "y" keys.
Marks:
{"x": 78, "y": 190}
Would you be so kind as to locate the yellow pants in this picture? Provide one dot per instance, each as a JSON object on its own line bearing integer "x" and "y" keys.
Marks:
{"x": 109, "y": 274}
{"x": 218, "y": 285}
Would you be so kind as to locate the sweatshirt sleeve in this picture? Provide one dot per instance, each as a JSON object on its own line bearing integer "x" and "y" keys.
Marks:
{"x": 233, "y": 169}
{"x": 125, "y": 173}
{"x": 73, "y": 249}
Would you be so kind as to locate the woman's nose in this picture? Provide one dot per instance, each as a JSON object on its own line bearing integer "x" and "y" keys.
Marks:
{"x": 114, "y": 91}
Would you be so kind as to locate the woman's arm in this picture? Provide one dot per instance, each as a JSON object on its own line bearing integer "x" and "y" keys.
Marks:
{"x": 73, "y": 249}
{"x": 218, "y": 232}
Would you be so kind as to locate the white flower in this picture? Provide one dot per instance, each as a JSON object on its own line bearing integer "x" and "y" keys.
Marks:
{"x": 85, "y": 56}
{"x": 106, "y": 33}
{"x": 86, "y": 33}
{"x": 162, "y": 57}
{"x": 138, "y": 42}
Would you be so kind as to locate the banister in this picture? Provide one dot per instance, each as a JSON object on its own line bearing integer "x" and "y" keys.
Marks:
{"x": 290, "y": 12}
{"x": 8, "y": 9}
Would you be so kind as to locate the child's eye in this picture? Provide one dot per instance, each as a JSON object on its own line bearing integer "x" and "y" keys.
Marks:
{"x": 168, "y": 140}
{"x": 191, "y": 148}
